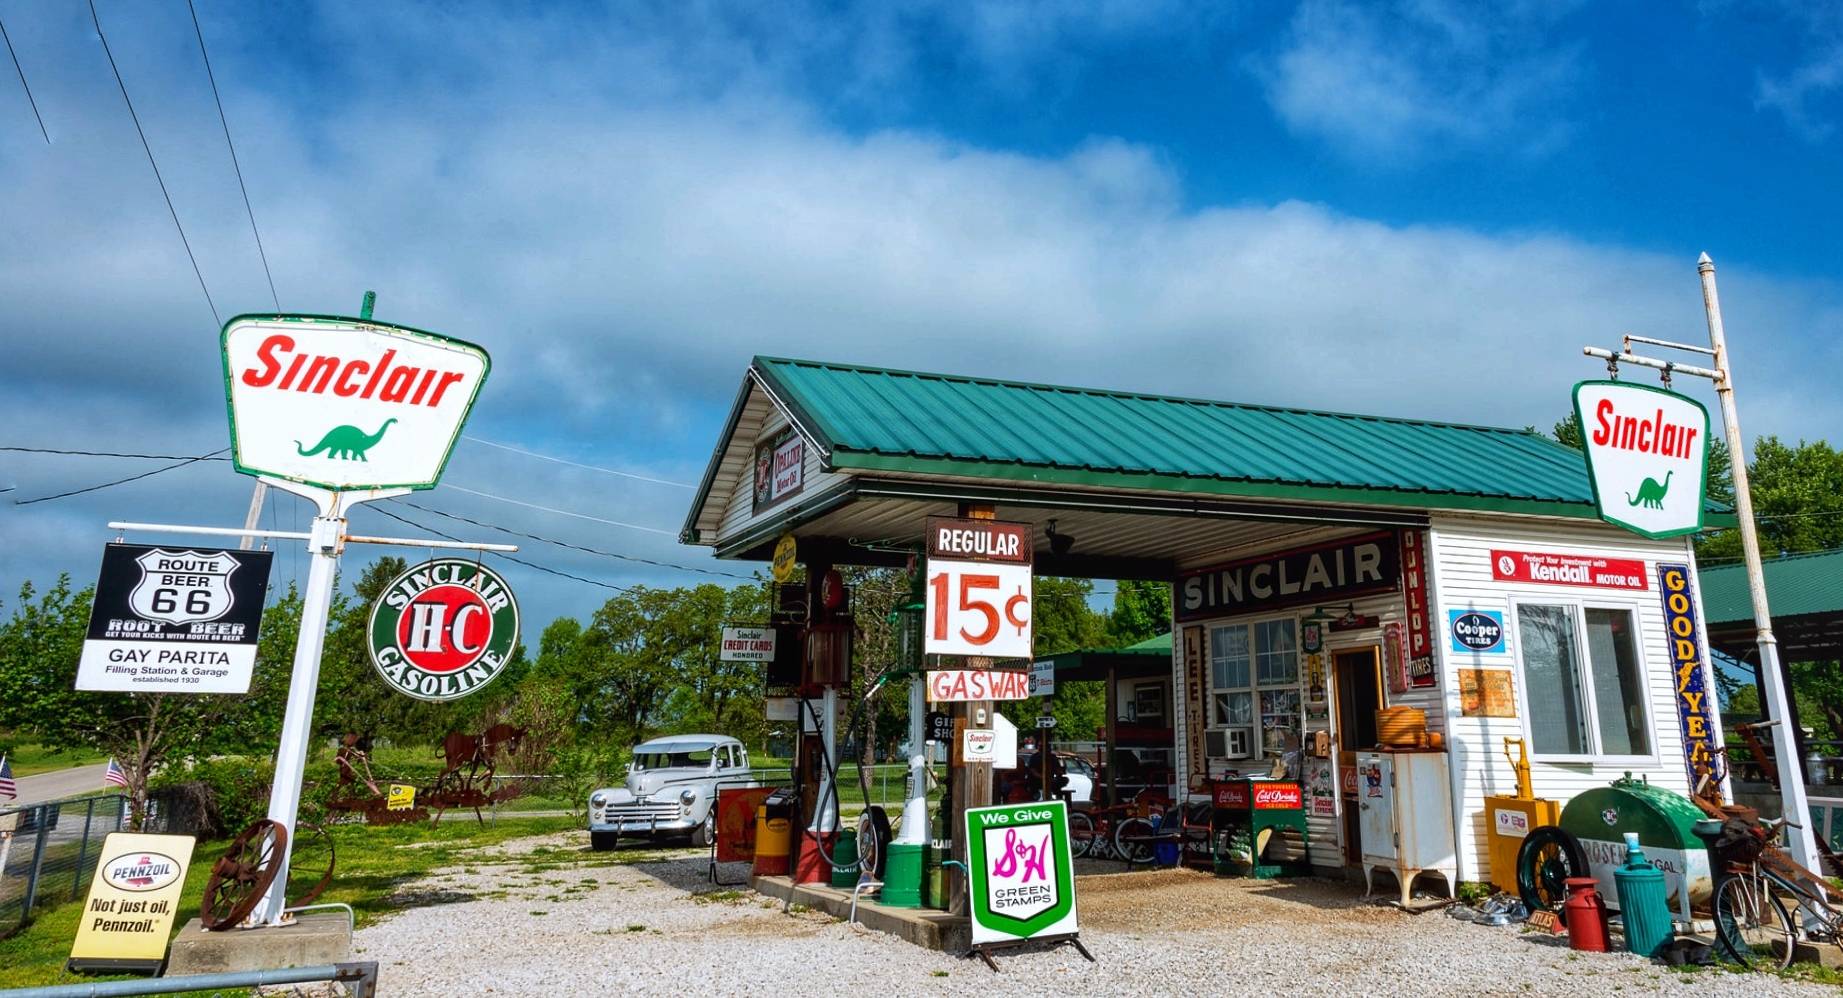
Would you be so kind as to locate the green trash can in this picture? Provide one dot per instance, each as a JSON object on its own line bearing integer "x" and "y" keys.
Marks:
{"x": 1644, "y": 903}
{"x": 845, "y": 860}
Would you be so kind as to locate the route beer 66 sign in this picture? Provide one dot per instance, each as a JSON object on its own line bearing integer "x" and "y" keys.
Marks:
{"x": 1647, "y": 456}
{"x": 346, "y": 404}
{"x": 979, "y": 588}
{"x": 174, "y": 620}
{"x": 443, "y": 629}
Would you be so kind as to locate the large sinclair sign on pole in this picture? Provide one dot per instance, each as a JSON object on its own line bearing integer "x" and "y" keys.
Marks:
{"x": 345, "y": 404}
{"x": 1647, "y": 455}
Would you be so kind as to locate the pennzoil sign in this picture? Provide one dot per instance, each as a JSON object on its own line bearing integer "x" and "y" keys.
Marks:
{"x": 346, "y": 404}
{"x": 443, "y": 629}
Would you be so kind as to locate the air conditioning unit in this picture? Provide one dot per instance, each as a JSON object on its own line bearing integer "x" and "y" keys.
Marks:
{"x": 1226, "y": 743}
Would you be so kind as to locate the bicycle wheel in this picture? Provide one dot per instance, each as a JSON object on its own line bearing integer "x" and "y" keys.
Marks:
{"x": 1081, "y": 834}
{"x": 1133, "y": 839}
{"x": 1547, "y": 858}
{"x": 1752, "y": 923}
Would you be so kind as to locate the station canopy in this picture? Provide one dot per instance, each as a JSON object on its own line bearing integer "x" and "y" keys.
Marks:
{"x": 1805, "y": 594}
{"x": 1135, "y": 481}
{"x": 1148, "y": 658}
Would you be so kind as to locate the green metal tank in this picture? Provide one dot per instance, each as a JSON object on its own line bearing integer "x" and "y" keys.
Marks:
{"x": 1664, "y": 822}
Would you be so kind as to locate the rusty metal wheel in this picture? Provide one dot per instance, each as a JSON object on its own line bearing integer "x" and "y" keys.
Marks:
{"x": 242, "y": 875}
{"x": 310, "y": 864}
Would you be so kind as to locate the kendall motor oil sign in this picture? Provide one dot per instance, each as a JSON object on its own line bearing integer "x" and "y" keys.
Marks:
{"x": 1647, "y": 456}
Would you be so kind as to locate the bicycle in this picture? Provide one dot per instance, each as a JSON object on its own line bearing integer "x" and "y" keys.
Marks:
{"x": 1752, "y": 922}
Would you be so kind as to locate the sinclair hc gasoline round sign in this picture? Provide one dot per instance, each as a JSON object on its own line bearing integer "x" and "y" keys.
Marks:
{"x": 443, "y": 629}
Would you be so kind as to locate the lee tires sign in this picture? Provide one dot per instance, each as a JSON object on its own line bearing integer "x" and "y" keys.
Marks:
{"x": 979, "y": 588}
{"x": 443, "y": 629}
{"x": 346, "y": 404}
{"x": 1647, "y": 456}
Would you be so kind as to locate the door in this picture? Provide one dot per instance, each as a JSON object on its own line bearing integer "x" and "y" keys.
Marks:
{"x": 1358, "y": 677}
{"x": 1376, "y": 805}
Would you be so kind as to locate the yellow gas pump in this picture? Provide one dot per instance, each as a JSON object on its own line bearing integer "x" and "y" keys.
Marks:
{"x": 1511, "y": 819}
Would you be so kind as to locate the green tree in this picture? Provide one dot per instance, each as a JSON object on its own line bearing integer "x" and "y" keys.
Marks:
{"x": 1141, "y": 610}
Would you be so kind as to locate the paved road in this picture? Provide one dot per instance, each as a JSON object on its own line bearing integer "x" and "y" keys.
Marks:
{"x": 60, "y": 784}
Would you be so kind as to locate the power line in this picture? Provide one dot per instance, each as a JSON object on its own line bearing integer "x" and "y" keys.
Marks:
{"x": 23, "y": 84}
{"x": 577, "y": 547}
{"x": 121, "y": 481}
{"x": 528, "y": 564}
{"x": 576, "y": 464}
{"x": 222, "y": 120}
{"x": 94, "y": 19}
{"x": 108, "y": 453}
{"x": 563, "y": 512}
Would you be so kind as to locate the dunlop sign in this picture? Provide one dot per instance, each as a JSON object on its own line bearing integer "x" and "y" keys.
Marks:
{"x": 1695, "y": 707}
{"x": 346, "y": 404}
{"x": 1647, "y": 456}
{"x": 133, "y": 897}
{"x": 174, "y": 620}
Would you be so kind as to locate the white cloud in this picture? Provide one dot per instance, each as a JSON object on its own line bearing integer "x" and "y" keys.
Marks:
{"x": 1421, "y": 76}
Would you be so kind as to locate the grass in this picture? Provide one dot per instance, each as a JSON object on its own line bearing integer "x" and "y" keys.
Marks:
{"x": 375, "y": 866}
{"x": 31, "y": 758}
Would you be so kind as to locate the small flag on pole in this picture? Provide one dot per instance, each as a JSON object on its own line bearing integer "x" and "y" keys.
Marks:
{"x": 9, "y": 788}
{"x": 114, "y": 776}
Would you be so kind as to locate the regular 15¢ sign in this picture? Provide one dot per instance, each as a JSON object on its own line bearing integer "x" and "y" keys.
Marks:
{"x": 443, "y": 629}
{"x": 346, "y": 404}
{"x": 979, "y": 588}
{"x": 1647, "y": 455}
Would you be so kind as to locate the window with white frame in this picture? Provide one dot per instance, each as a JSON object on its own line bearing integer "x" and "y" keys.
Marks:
{"x": 1583, "y": 679}
{"x": 1254, "y": 688}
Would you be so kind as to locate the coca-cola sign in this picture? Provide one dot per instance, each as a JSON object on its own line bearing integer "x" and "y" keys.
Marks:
{"x": 1278, "y": 797}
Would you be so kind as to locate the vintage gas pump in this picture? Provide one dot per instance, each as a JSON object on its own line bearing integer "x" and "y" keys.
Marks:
{"x": 902, "y": 876}
{"x": 828, "y": 667}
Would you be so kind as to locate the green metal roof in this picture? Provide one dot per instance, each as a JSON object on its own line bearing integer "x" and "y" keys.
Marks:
{"x": 1144, "y": 657}
{"x": 1796, "y": 585}
{"x": 876, "y": 419}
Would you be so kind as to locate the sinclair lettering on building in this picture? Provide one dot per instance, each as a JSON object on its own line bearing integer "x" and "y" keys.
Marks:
{"x": 1647, "y": 456}
{"x": 346, "y": 404}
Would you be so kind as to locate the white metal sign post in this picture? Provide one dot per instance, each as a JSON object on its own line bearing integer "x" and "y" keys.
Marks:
{"x": 1785, "y": 746}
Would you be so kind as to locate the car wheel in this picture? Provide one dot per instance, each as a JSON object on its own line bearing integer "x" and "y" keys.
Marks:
{"x": 706, "y": 833}
{"x": 603, "y": 841}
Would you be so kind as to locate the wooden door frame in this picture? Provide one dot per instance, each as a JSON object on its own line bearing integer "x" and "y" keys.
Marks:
{"x": 1334, "y": 694}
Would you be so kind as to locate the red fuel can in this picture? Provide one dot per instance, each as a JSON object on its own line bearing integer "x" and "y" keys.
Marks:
{"x": 1585, "y": 912}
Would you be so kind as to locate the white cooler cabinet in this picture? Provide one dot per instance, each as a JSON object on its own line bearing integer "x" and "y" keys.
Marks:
{"x": 1405, "y": 815}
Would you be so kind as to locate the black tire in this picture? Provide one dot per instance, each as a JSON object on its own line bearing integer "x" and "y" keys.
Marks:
{"x": 603, "y": 841}
{"x": 1133, "y": 840}
{"x": 1756, "y": 931}
{"x": 873, "y": 841}
{"x": 1081, "y": 834}
{"x": 703, "y": 835}
{"x": 1548, "y": 857}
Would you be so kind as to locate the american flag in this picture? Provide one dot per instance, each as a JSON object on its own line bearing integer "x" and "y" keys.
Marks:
{"x": 114, "y": 776}
{"x": 9, "y": 789}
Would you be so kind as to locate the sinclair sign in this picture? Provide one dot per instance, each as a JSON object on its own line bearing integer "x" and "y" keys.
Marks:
{"x": 443, "y": 629}
{"x": 346, "y": 404}
{"x": 1647, "y": 456}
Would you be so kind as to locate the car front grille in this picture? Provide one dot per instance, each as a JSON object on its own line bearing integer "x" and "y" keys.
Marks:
{"x": 640, "y": 811}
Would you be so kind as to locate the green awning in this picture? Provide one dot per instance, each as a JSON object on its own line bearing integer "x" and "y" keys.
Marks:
{"x": 1805, "y": 594}
{"x": 1151, "y": 657}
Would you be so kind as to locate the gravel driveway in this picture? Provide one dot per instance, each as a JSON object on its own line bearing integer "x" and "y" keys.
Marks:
{"x": 544, "y": 916}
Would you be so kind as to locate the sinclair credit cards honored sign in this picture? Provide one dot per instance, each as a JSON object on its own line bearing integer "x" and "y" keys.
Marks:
{"x": 979, "y": 588}
{"x": 443, "y": 629}
{"x": 174, "y": 620}
{"x": 346, "y": 404}
{"x": 1647, "y": 455}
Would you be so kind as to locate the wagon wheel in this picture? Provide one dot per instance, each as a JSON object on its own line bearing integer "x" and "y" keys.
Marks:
{"x": 310, "y": 864}
{"x": 242, "y": 875}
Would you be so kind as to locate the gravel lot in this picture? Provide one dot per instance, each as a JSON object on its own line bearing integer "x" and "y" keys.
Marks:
{"x": 648, "y": 923}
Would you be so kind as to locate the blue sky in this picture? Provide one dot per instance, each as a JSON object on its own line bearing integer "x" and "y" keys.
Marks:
{"x": 1419, "y": 208}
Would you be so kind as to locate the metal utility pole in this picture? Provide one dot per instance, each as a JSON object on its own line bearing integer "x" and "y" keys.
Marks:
{"x": 1772, "y": 675}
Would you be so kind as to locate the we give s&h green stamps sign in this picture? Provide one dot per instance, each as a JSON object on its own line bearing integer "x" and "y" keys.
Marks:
{"x": 1022, "y": 873}
{"x": 1647, "y": 456}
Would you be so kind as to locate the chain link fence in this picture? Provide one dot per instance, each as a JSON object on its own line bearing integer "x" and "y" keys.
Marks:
{"x": 48, "y": 852}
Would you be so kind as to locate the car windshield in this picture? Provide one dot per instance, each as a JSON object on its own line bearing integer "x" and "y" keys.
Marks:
{"x": 697, "y": 758}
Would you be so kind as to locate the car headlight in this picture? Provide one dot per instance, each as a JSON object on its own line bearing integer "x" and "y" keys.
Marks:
{"x": 598, "y": 800}
{"x": 685, "y": 797}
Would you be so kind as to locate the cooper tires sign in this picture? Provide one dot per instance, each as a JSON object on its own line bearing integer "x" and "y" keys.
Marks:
{"x": 443, "y": 629}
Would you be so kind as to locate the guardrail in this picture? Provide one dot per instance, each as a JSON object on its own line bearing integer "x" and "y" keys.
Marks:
{"x": 360, "y": 979}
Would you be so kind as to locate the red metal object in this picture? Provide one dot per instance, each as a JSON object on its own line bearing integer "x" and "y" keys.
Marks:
{"x": 1262, "y": 795}
{"x": 813, "y": 867}
{"x": 736, "y": 822}
{"x": 1585, "y": 913}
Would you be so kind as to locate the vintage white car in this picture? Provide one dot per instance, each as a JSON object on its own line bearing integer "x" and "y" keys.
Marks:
{"x": 671, "y": 790}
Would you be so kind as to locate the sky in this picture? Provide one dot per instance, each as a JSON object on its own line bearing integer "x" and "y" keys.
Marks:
{"x": 1420, "y": 209}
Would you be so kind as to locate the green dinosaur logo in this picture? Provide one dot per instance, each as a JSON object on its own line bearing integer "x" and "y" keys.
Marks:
{"x": 347, "y": 443}
{"x": 1651, "y": 493}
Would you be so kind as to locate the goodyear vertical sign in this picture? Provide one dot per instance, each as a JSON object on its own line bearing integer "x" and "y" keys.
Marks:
{"x": 1695, "y": 706}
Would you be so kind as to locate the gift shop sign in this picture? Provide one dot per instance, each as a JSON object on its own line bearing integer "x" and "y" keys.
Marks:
{"x": 979, "y": 588}
{"x": 1023, "y": 876}
{"x": 346, "y": 404}
{"x": 1647, "y": 456}
{"x": 1568, "y": 570}
{"x": 174, "y": 620}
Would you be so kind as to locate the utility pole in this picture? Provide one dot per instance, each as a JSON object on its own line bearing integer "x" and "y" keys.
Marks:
{"x": 1772, "y": 675}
